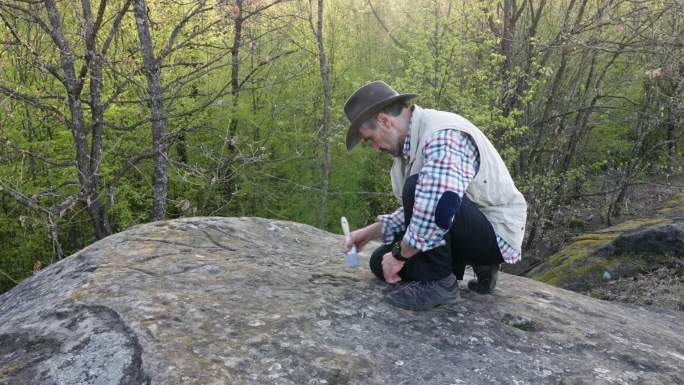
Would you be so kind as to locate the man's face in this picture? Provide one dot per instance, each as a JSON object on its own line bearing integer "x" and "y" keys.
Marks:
{"x": 386, "y": 137}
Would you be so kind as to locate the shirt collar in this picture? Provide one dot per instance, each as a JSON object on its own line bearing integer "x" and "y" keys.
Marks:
{"x": 406, "y": 153}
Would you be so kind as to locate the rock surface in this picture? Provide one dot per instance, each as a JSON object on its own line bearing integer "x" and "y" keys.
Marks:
{"x": 625, "y": 250}
{"x": 255, "y": 301}
{"x": 665, "y": 239}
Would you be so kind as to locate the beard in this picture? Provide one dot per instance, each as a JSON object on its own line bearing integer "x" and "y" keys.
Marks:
{"x": 399, "y": 149}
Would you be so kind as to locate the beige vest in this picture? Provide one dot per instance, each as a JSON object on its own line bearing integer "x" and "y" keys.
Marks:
{"x": 492, "y": 189}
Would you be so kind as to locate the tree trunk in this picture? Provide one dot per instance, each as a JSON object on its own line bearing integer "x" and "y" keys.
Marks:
{"x": 674, "y": 117}
{"x": 325, "y": 129}
{"x": 74, "y": 86}
{"x": 225, "y": 165}
{"x": 94, "y": 62}
{"x": 647, "y": 120}
{"x": 507, "y": 35}
{"x": 234, "y": 68}
{"x": 153, "y": 74}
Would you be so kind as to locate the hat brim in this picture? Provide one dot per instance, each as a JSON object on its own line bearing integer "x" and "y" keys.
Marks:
{"x": 353, "y": 133}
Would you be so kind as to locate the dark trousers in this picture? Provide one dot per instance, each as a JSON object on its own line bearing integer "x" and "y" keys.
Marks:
{"x": 470, "y": 241}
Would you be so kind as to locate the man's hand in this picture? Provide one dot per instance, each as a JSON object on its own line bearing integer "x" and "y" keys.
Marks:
{"x": 391, "y": 267}
{"x": 362, "y": 236}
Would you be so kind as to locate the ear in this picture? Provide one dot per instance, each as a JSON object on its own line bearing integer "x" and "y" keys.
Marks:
{"x": 383, "y": 120}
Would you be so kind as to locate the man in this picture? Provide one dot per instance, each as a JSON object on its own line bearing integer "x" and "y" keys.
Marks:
{"x": 459, "y": 203}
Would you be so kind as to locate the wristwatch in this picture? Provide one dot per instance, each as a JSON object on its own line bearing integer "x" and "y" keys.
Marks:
{"x": 396, "y": 252}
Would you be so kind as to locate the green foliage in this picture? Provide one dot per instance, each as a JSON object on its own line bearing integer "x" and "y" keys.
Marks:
{"x": 25, "y": 242}
{"x": 255, "y": 150}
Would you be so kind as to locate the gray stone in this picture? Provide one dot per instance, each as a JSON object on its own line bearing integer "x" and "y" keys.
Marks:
{"x": 625, "y": 250}
{"x": 255, "y": 301}
{"x": 665, "y": 239}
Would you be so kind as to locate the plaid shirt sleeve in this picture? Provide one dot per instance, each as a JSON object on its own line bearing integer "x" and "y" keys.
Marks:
{"x": 509, "y": 254}
{"x": 450, "y": 163}
{"x": 392, "y": 224}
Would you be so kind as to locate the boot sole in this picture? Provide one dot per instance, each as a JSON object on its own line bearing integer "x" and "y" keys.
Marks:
{"x": 448, "y": 301}
{"x": 478, "y": 290}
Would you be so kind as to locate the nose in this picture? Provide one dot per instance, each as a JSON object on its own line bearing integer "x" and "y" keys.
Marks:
{"x": 375, "y": 146}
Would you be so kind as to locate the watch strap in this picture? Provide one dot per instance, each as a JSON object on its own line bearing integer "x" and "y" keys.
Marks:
{"x": 396, "y": 253}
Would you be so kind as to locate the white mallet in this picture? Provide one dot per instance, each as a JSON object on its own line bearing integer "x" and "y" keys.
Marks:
{"x": 352, "y": 258}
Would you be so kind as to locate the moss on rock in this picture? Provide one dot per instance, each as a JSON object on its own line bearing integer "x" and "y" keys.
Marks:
{"x": 591, "y": 258}
{"x": 673, "y": 206}
{"x": 634, "y": 224}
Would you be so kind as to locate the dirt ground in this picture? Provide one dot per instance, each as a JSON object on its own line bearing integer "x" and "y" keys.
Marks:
{"x": 663, "y": 288}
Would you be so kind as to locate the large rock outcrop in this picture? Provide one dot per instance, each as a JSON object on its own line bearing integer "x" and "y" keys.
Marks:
{"x": 255, "y": 301}
{"x": 624, "y": 250}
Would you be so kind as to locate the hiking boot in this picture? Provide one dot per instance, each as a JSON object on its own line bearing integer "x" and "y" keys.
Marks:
{"x": 486, "y": 279}
{"x": 423, "y": 295}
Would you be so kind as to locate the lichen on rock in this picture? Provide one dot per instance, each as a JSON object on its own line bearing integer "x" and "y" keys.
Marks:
{"x": 255, "y": 301}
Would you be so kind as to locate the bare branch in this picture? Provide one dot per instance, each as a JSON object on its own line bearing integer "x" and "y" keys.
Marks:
{"x": 8, "y": 277}
{"x": 16, "y": 95}
{"x": 28, "y": 13}
{"x": 51, "y": 69}
{"x": 115, "y": 27}
{"x": 5, "y": 141}
{"x": 263, "y": 63}
{"x": 259, "y": 10}
{"x": 23, "y": 199}
{"x": 168, "y": 48}
{"x": 382, "y": 24}
{"x": 213, "y": 64}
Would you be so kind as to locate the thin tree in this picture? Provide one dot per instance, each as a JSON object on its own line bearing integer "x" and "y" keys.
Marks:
{"x": 325, "y": 129}
{"x": 158, "y": 119}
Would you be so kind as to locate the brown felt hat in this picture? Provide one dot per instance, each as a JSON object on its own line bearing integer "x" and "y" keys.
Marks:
{"x": 365, "y": 103}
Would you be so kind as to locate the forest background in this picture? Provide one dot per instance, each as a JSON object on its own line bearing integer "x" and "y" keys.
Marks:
{"x": 119, "y": 112}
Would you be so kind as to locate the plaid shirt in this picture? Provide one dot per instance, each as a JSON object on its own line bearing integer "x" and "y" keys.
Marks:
{"x": 450, "y": 164}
